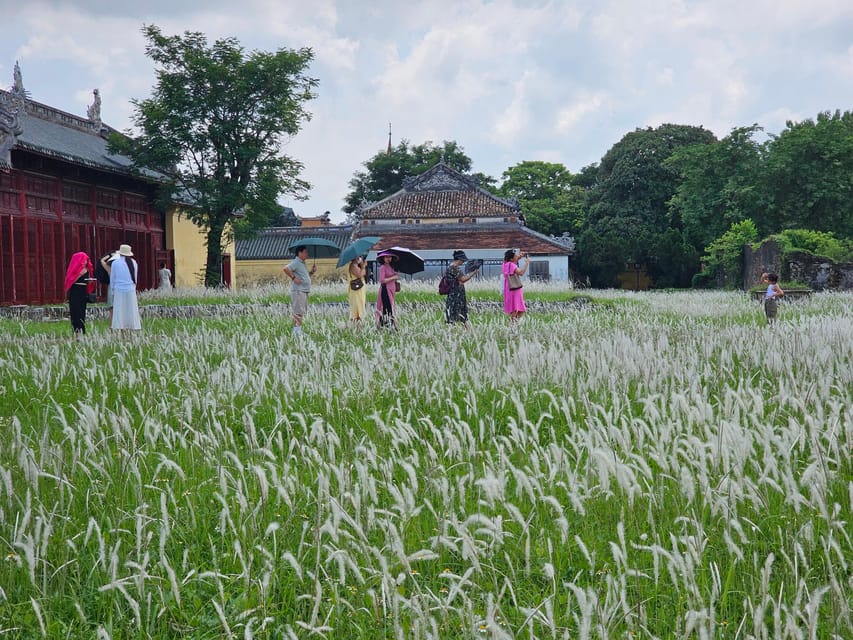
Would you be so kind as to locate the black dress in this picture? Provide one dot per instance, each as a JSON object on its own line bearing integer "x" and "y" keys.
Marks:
{"x": 456, "y": 303}
{"x": 78, "y": 297}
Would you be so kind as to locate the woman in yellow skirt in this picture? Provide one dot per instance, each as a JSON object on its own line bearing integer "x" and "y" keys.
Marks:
{"x": 357, "y": 290}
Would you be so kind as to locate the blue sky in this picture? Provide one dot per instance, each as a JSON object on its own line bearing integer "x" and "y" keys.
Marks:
{"x": 560, "y": 81}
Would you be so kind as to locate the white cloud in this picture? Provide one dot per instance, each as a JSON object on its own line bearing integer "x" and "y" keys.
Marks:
{"x": 513, "y": 120}
{"x": 586, "y": 103}
{"x": 509, "y": 80}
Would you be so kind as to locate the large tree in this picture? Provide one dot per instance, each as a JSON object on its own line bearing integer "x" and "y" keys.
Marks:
{"x": 809, "y": 175}
{"x": 721, "y": 184}
{"x": 628, "y": 217}
{"x": 385, "y": 171}
{"x": 549, "y": 199}
{"x": 214, "y": 126}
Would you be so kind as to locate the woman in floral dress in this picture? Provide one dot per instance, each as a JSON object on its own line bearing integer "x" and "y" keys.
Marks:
{"x": 456, "y": 303}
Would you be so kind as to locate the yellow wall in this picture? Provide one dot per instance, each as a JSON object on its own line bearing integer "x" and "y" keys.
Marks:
{"x": 188, "y": 242}
{"x": 628, "y": 280}
{"x": 261, "y": 272}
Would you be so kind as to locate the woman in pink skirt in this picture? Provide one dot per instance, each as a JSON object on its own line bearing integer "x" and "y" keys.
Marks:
{"x": 514, "y": 298}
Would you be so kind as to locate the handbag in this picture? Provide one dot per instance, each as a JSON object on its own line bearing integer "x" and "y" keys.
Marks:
{"x": 356, "y": 283}
{"x": 396, "y": 286}
{"x": 514, "y": 281}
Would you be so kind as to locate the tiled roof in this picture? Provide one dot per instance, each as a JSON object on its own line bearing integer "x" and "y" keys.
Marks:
{"x": 493, "y": 236}
{"x": 440, "y": 192}
{"x": 272, "y": 243}
{"x": 51, "y": 132}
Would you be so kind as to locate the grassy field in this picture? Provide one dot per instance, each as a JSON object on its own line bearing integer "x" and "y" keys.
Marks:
{"x": 652, "y": 465}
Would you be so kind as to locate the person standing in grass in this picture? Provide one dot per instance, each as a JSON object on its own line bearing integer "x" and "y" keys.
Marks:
{"x": 165, "y": 277}
{"x": 123, "y": 274}
{"x": 389, "y": 280}
{"x": 456, "y": 303}
{"x": 773, "y": 292}
{"x": 300, "y": 287}
{"x": 356, "y": 290}
{"x": 514, "y": 305}
{"x": 78, "y": 284}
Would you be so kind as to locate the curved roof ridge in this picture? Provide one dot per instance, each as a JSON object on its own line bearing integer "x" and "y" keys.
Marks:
{"x": 442, "y": 178}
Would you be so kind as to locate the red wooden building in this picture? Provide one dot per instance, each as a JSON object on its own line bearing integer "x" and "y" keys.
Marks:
{"x": 62, "y": 192}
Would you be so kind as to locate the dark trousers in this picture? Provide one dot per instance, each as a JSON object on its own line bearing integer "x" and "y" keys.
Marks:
{"x": 77, "y": 299}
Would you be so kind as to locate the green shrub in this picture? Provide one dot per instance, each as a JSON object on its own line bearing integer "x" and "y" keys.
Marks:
{"x": 725, "y": 254}
{"x": 818, "y": 243}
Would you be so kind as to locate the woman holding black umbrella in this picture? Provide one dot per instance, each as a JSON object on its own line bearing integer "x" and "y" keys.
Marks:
{"x": 389, "y": 282}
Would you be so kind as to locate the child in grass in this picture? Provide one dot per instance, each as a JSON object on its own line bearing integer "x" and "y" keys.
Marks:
{"x": 773, "y": 292}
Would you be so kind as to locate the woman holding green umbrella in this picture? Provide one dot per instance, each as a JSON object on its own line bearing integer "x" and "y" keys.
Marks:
{"x": 354, "y": 256}
{"x": 356, "y": 289}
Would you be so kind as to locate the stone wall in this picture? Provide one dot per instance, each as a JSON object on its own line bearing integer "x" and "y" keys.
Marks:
{"x": 818, "y": 272}
{"x": 766, "y": 259}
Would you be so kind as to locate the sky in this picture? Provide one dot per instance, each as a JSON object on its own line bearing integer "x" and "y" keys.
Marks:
{"x": 508, "y": 80}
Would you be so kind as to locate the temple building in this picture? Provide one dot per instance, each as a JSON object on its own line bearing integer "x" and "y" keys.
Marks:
{"x": 62, "y": 191}
{"x": 442, "y": 210}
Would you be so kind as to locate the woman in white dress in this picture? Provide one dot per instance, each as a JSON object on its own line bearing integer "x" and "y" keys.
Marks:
{"x": 165, "y": 277}
{"x": 123, "y": 271}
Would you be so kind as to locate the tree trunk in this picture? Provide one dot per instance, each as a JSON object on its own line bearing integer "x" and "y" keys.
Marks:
{"x": 213, "y": 269}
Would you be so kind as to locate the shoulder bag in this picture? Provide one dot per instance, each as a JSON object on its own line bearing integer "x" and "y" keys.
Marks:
{"x": 514, "y": 281}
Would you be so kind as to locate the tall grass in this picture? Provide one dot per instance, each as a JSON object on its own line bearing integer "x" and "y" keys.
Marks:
{"x": 652, "y": 466}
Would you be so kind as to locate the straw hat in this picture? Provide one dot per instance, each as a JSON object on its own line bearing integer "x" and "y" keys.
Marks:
{"x": 124, "y": 250}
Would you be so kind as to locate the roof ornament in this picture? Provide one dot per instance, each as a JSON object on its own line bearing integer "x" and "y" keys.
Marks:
{"x": 94, "y": 110}
{"x": 11, "y": 104}
{"x": 18, "y": 80}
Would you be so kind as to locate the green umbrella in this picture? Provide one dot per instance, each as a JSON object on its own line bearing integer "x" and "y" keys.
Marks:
{"x": 317, "y": 247}
{"x": 357, "y": 248}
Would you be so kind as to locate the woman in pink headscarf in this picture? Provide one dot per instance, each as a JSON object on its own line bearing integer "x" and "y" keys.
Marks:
{"x": 79, "y": 283}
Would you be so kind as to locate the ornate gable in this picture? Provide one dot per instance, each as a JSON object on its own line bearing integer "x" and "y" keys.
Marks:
{"x": 440, "y": 193}
{"x": 439, "y": 178}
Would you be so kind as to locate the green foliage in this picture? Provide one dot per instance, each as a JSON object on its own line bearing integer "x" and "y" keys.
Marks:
{"x": 358, "y": 483}
{"x": 384, "y": 172}
{"x": 723, "y": 259}
{"x": 549, "y": 200}
{"x": 628, "y": 211}
{"x": 809, "y": 175}
{"x": 720, "y": 184}
{"x": 214, "y": 126}
{"x": 818, "y": 243}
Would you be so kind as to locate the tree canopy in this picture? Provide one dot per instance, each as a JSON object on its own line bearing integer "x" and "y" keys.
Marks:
{"x": 809, "y": 175}
{"x": 628, "y": 216}
{"x": 549, "y": 199}
{"x": 721, "y": 183}
{"x": 384, "y": 172}
{"x": 214, "y": 126}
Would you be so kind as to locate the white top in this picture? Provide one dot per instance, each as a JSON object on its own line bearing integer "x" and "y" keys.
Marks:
{"x": 120, "y": 279}
{"x": 165, "y": 278}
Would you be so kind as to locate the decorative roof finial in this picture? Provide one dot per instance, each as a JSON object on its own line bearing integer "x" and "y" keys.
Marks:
{"x": 94, "y": 111}
{"x": 388, "y": 150}
{"x": 17, "y": 80}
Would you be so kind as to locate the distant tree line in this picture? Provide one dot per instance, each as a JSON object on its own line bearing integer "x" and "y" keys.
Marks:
{"x": 668, "y": 197}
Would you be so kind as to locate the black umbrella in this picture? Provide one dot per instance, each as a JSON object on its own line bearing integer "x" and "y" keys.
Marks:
{"x": 407, "y": 260}
{"x": 317, "y": 247}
